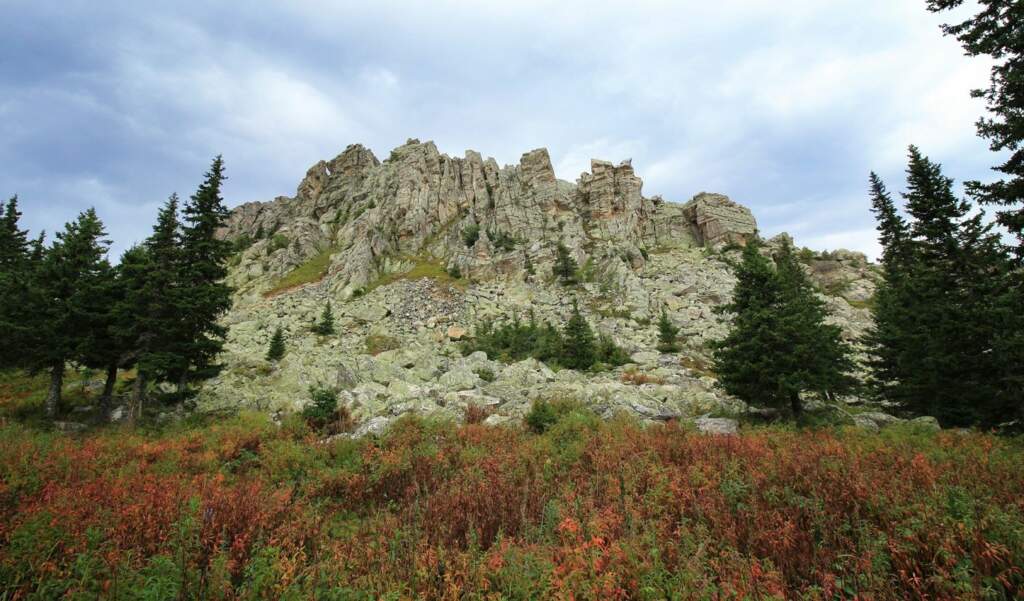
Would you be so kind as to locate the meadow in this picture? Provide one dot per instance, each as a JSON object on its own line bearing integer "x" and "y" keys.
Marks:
{"x": 238, "y": 507}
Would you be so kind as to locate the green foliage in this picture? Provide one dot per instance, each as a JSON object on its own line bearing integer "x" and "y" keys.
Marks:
{"x": 528, "y": 265}
{"x": 778, "y": 345}
{"x": 470, "y": 234}
{"x": 578, "y": 347}
{"x": 484, "y": 373}
{"x": 278, "y": 242}
{"x": 573, "y": 346}
{"x": 276, "y": 349}
{"x": 667, "y": 333}
{"x": 565, "y": 268}
{"x": 378, "y": 343}
{"x": 325, "y": 325}
{"x": 454, "y": 272}
{"x": 502, "y": 240}
{"x": 324, "y": 411}
{"x": 312, "y": 270}
{"x": 241, "y": 243}
{"x": 944, "y": 262}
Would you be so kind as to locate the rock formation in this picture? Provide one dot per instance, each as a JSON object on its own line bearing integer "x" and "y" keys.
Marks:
{"x": 379, "y": 239}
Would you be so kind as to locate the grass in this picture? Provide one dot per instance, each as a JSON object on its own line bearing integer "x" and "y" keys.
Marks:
{"x": 312, "y": 270}
{"x": 421, "y": 268}
{"x": 571, "y": 507}
{"x": 378, "y": 343}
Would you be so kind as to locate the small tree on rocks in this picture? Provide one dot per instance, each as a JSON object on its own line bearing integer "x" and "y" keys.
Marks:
{"x": 325, "y": 326}
{"x": 667, "y": 333}
{"x": 276, "y": 350}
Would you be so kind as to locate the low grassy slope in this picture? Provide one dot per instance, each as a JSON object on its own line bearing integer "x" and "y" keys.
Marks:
{"x": 586, "y": 510}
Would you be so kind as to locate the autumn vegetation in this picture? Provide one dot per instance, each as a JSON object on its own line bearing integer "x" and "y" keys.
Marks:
{"x": 569, "y": 507}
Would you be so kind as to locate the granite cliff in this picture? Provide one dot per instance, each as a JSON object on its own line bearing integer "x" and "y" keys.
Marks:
{"x": 414, "y": 250}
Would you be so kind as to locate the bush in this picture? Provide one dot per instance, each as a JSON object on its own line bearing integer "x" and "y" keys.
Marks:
{"x": 542, "y": 416}
{"x": 486, "y": 374}
{"x": 470, "y": 234}
{"x": 324, "y": 413}
{"x": 378, "y": 343}
{"x": 277, "y": 242}
{"x": 475, "y": 414}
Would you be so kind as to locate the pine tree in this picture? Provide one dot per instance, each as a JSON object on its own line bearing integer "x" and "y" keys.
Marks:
{"x": 104, "y": 348}
{"x": 276, "y": 349}
{"x": 578, "y": 349}
{"x": 325, "y": 326}
{"x": 779, "y": 345}
{"x": 204, "y": 296}
{"x": 667, "y": 333}
{"x": 67, "y": 281}
{"x": 565, "y": 267}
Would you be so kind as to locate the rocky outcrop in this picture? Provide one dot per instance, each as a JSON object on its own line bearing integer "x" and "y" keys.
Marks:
{"x": 718, "y": 220}
{"x": 418, "y": 203}
{"x": 413, "y": 251}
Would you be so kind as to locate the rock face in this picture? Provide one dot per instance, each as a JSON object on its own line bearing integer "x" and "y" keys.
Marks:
{"x": 368, "y": 214}
{"x": 413, "y": 251}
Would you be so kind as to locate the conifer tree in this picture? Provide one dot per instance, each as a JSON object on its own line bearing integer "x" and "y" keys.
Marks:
{"x": 892, "y": 309}
{"x": 778, "y": 345}
{"x": 995, "y": 31}
{"x": 578, "y": 350}
{"x": 204, "y": 296}
{"x": 69, "y": 277}
{"x": 667, "y": 333}
{"x": 15, "y": 267}
{"x": 325, "y": 326}
{"x": 565, "y": 267}
{"x": 276, "y": 349}
{"x": 941, "y": 311}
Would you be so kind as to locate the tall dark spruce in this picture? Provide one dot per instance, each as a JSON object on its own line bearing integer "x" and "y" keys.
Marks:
{"x": 995, "y": 31}
{"x": 779, "y": 345}
{"x": 15, "y": 269}
{"x": 71, "y": 276}
{"x": 940, "y": 310}
{"x": 203, "y": 297}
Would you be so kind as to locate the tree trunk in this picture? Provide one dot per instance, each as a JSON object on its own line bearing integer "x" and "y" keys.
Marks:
{"x": 108, "y": 390}
{"x": 56, "y": 383}
{"x": 795, "y": 405}
{"x": 138, "y": 395}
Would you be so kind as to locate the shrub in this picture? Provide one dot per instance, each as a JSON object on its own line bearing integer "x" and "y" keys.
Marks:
{"x": 325, "y": 326}
{"x": 475, "y": 414}
{"x": 277, "y": 242}
{"x": 486, "y": 374}
{"x": 470, "y": 234}
{"x": 542, "y": 416}
{"x": 378, "y": 343}
{"x": 324, "y": 413}
{"x": 565, "y": 268}
{"x": 667, "y": 333}
{"x": 637, "y": 378}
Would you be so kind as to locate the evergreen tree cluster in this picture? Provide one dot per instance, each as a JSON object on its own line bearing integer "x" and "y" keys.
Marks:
{"x": 946, "y": 313}
{"x": 574, "y": 345}
{"x": 156, "y": 310}
{"x": 779, "y": 345}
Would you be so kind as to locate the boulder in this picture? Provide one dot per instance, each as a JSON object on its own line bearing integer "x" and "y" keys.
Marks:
{"x": 717, "y": 425}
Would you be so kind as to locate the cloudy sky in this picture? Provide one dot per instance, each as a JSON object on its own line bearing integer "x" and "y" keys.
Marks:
{"x": 784, "y": 106}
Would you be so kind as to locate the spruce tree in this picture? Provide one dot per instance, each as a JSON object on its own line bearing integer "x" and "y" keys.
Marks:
{"x": 67, "y": 281}
{"x": 204, "y": 297}
{"x": 578, "y": 349}
{"x": 16, "y": 266}
{"x": 325, "y": 326}
{"x": 667, "y": 333}
{"x": 105, "y": 349}
{"x": 892, "y": 307}
{"x": 565, "y": 267}
{"x": 276, "y": 349}
{"x": 995, "y": 31}
{"x": 941, "y": 311}
{"x": 778, "y": 345}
